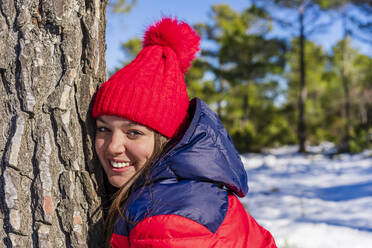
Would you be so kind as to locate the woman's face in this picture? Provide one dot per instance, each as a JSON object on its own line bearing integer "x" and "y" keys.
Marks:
{"x": 123, "y": 147}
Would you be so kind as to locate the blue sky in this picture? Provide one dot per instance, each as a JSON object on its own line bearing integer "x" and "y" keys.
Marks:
{"x": 120, "y": 27}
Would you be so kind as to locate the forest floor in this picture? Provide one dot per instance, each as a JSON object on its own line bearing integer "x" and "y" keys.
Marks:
{"x": 314, "y": 200}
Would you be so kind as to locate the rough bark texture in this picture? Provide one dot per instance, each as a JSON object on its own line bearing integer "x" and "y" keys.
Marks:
{"x": 52, "y": 59}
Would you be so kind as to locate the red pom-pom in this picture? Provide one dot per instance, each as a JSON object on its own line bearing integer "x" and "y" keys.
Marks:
{"x": 177, "y": 35}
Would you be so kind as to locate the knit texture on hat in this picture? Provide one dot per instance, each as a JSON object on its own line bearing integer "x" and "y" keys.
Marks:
{"x": 151, "y": 89}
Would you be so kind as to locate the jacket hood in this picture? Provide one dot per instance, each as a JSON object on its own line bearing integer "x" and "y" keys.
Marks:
{"x": 204, "y": 153}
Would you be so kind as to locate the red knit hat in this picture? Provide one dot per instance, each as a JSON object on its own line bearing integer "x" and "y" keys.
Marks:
{"x": 151, "y": 89}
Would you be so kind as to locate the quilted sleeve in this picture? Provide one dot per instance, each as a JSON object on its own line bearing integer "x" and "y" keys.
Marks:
{"x": 238, "y": 230}
{"x": 119, "y": 241}
{"x": 166, "y": 231}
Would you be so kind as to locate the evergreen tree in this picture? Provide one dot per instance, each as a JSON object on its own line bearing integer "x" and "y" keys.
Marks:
{"x": 243, "y": 61}
{"x": 307, "y": 13}
{"x": 358, "y": 79}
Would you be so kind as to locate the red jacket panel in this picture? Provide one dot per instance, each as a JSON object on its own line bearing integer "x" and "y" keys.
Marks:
{"x": 238, "y": 230}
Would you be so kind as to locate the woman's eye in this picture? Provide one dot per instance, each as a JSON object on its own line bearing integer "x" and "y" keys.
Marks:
{"x": 134, "y": 133}
{"x": 102, "y": 129}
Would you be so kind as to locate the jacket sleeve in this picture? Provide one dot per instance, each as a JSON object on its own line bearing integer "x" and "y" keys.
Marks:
{"x": 166, "y": 231}
{"x": 238, "y": 230}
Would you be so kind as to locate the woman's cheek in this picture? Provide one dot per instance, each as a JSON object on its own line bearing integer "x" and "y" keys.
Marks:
{"x": 99, "y": 146}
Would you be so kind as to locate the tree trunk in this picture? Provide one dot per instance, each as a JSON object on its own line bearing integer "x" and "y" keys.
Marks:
{"x": 345, "y": 84}
{"x": 220, "y": 92}
{"x": 246, "y": 106}
{"x": 301, "y": 130}
{"x": 52, "y": 59}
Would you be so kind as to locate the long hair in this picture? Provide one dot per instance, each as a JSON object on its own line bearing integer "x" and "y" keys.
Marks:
{"x": 122, "y": 195}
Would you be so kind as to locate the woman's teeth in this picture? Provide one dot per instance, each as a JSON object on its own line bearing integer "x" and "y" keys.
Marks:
{"x": 119, "y": 164}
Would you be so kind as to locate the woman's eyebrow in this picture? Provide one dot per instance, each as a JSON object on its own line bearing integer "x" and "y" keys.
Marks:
{"x": 132, "y": 124}
{"x": 100, "y": 119}
{"x": 126, "y": 124}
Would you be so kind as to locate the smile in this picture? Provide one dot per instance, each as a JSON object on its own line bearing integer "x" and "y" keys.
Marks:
{"x": 117, "y": 164}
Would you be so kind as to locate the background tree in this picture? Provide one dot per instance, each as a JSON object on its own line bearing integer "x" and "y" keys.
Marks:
{"x": 52, "y": 60}
{"x": 355, "y": 18}
{"x": 306, "y": 21}
{"x": 253, "y": 80}
{"x": 359, "y": 92}
{"x": 241, "y": 59}
{"x": 316, "y": 63}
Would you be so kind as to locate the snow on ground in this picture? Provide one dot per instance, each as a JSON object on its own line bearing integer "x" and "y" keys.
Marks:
{"x": 311, "y": 201}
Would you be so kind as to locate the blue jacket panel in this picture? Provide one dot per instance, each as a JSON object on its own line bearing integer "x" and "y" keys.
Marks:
{"x": 193, "y": 178}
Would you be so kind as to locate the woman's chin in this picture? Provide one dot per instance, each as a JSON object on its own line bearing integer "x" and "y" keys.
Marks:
{"x": 117, "y": 181}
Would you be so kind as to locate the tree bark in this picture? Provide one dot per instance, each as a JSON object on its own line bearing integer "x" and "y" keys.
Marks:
{"x": 52, "y": 60}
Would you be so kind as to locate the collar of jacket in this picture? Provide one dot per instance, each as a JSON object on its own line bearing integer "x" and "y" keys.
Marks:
{"x": 204, "y": 153}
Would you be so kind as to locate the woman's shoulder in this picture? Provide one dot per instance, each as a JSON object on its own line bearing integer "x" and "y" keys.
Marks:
{"x": 207, "y": 217}
{"x": 202, "y": 202}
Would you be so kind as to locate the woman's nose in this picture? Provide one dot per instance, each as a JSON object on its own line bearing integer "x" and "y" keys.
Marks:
{"x": 117, "y": 144}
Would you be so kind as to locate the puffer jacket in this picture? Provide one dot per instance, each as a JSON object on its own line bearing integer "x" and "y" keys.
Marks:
{"x": 191, "y": 201}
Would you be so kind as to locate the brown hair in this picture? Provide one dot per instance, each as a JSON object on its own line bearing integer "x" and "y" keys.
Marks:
{"x": 122, "y": 195}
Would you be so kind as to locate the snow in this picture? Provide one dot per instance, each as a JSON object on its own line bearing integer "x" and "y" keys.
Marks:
{"x": 314, "y": 200}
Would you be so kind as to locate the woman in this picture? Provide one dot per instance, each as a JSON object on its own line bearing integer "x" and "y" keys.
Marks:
{"x": 176, "y": 167}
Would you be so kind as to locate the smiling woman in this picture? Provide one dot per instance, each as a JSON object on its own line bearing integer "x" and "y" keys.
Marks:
{"x": 123, "y": 147}
{"x": 176, "y": 168}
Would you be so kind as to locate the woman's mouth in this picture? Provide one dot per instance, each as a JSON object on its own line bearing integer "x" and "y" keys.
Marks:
{"x": 119, "y": 165}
